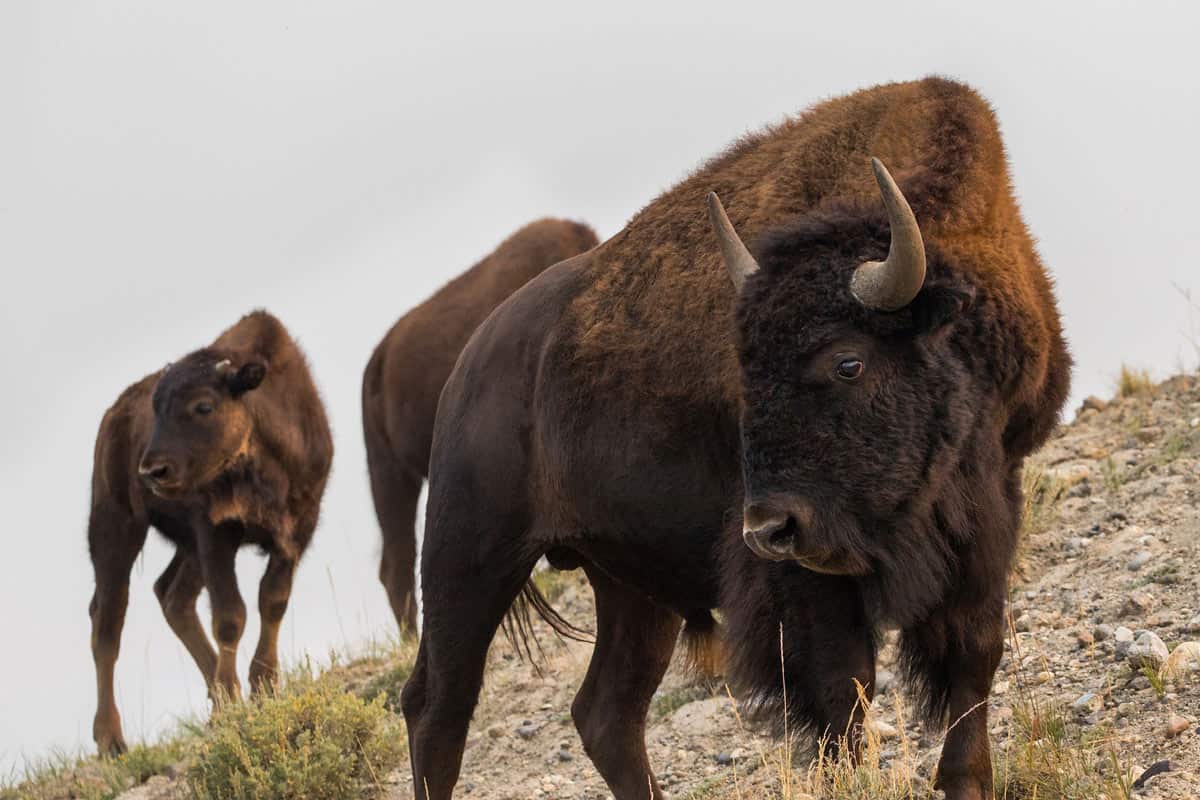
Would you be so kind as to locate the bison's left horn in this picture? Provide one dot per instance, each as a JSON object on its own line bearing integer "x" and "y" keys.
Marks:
{"x": 892, "y": 284}
{"x": 738, "y": 260}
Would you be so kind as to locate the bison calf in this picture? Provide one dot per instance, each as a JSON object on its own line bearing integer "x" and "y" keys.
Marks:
{"x": 228, "y": 446}
{"x": 406, "y": 373}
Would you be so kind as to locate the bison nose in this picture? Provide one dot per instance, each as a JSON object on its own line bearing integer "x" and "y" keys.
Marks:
{"x": 769, "y": 533}
{"x": 156, "y": 473}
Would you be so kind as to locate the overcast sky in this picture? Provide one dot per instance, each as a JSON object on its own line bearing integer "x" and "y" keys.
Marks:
{"x": 335, "y": 162}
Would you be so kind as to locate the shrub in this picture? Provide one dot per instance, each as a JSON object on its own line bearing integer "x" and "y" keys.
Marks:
{"x": 310, "y": 739}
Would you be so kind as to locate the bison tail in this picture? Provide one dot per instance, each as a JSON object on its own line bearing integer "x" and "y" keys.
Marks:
{"x": 518, "y": 624}
{"x": 704, "y": 648}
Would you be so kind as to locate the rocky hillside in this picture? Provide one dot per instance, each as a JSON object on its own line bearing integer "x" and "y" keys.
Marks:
{"x": 1098, "y": 694}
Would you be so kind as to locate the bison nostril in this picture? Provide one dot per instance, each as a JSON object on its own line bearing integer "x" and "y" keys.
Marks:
{"x": 769, "y": 534}
{"x": 156, "y": 473}
{"x": 783, "y": 535}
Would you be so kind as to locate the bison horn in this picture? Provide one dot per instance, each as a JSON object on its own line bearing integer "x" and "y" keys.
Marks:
{"x": 892, "y": 284}
{"x": 738, "y": 260}
{"x": 223, "y": 366}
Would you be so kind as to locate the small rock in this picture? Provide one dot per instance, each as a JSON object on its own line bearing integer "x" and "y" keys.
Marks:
{"x": 564, "y": 756}
{"x": 1085, "y": 638}
{"x": 1139, "y": 560}
{"x": 1137, "y": 603}
{"x": 1149, "y": 434}
{"x": 1102, "y": 631}
{"x": 883, "y": 730}
{"x": 1177, "y": 725}
{"x": 724, "y": 759}
{"x": 1184, "y": 660}
{"x": 1195, "y": 422}
{"x": 884, "y": 680}
{"x": 495, "y": 731}
{"x": 1023, "y": 623}
{"x": 527, "y": 731}
{"x": 1044, "y": 676}
{"x": 1087, "y": 703}
{"x": 1148, "y": 651}
{"x": 1093, "y": 403}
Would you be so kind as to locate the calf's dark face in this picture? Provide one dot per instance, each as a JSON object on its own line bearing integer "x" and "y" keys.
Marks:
{"x": 201, "y": 422}
{"x": 852, "y": 416}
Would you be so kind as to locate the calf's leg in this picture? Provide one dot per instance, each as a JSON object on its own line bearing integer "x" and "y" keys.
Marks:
{"x": 114, "y": 540}
{"x": 634, "y": 642}
{"x": 177, "y": 589}
{"x": 274, "y": 591}
{"x": 217, "y": 547}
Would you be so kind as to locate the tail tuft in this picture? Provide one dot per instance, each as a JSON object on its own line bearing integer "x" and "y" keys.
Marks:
{"x": 518, "y": 624}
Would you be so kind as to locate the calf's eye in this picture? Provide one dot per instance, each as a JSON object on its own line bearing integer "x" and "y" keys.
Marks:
{"x": 849, "y": 369}
{"x": 203, "y": 408}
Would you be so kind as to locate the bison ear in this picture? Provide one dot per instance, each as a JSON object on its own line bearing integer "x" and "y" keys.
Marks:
{"x": 937, "y": 306}
{"x": 248, "y": 377}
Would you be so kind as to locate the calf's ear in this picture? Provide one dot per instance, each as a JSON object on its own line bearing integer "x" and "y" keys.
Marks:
{"x": 935, "y": 307}
{"x": 248, "y": 377}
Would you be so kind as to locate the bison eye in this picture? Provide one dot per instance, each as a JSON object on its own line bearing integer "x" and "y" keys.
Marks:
{"x": 849, "y": 369}
{"x": 203, "y": 408}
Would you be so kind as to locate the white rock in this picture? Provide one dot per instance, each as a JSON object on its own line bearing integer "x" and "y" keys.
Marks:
{"x": 1148, "y": 651}
{"x": 883, "y": 729}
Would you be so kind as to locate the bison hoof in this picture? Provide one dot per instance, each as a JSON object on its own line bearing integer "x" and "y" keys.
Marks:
{"x": 109, "y": 741}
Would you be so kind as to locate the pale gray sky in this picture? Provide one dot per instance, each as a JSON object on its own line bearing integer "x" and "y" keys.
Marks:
{"x": 163, "y": 170}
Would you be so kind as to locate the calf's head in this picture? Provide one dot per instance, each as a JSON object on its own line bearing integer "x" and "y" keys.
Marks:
{"x": 201, "y": 421}
{"x": 857, "y": 402}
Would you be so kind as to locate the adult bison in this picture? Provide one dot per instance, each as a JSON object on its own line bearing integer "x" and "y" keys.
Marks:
{"x": 829, "y": 444}
{"x": 228, "y": 446}
{"x": 405, "y": 375}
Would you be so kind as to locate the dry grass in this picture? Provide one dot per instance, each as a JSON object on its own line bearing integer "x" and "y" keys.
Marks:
{"x": 1047, "y": 757}
{"x": 1042, "y": 491}
{"x": 63, "y": 776}
{"x": 1133, "y": 382}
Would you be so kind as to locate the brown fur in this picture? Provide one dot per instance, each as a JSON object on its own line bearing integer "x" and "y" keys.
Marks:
{"x": 619, "y": 410}
{"x": 404, "y": 378}
{"x": 250, "y": 470}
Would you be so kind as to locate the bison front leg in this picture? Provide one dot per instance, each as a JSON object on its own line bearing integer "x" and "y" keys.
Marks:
{"x": 217, "y": 549}
{"x": 114, "y": 540}
{"x": 959, "y": 654}
{"x": 274, "y": 591}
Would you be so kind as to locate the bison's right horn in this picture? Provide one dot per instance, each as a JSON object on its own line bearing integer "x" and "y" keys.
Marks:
{"x": 738, "y": 260}
{"x": 892, "y": 284}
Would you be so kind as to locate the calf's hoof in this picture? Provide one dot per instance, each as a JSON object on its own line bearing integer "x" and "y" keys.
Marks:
{"x": 107, "y": 733}
{"x": 263, "y": 681}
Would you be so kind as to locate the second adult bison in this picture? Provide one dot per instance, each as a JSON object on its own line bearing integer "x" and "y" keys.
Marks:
{"x": 405, "y": 376}
{"x": 830, "y": 443}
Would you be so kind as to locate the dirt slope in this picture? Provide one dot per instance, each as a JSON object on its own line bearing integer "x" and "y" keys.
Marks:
{"x": 1113, "y": 541}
